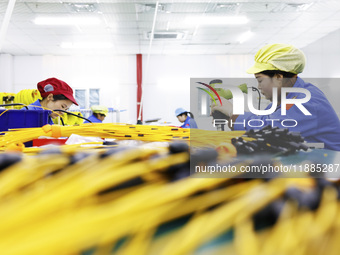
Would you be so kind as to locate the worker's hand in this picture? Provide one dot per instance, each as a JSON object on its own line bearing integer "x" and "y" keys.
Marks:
{"x": 226, "y": 108}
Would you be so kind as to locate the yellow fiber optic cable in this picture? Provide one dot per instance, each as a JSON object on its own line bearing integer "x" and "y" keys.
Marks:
{"x": 24, "y": 172}
{"x": 226, "y": 214}
{"x": 28, "y": 215}
{"x": 282, "y": 232}
{"x": 325, "y": 215}
{"x": 245, "y": 240}
{"x": 60, "y": 208}
{"x": 96, "y": 184}
{"x": 122, "y": 132}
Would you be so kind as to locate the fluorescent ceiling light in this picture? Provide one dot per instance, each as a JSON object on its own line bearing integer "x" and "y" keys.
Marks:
{"x": 66, "y": 21}
{"x": 86, "y": 45}
{"x": 245, "y": 36}
{"x": 166, "y": 35}
{"x": 208, "y": 20}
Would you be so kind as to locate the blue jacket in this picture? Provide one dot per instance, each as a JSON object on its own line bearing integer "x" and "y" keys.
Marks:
{"x": 323, "y": 126}
{"x": 189, "y": 123}
{"x": 93, "y": 119}
{"x": 37, "y": 106}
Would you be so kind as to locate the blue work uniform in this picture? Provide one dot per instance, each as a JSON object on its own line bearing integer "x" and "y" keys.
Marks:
{"x": 94, "y": 119}
{"x": 322, "y": 126}
{"x": 189, "y": 123}
{"x": 37, "y": 106}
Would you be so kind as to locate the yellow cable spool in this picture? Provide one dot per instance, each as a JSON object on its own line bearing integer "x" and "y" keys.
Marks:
{"x": 27, "y": 97}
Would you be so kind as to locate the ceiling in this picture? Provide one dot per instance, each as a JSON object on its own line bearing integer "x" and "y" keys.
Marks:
{"x": 127, "y": 26}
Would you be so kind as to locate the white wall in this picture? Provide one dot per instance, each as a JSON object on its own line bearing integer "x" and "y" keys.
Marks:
{"x": 166, "y": 79}
{"x": 323, "y": 57}
{"x": 323, "y": 61}
{"x": 115, "y": 76}
{"x": 167, "y": 84}
{"x": 6, "y": 72}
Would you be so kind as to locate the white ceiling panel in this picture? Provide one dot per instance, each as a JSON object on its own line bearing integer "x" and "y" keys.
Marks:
{"x": 19, "y": 8}
{"x": 24, "y": 17}
{"x": 45, "y": 34}
{"x": 56, "y": 7}
{"x": 326, "y": 29}
{"x": 3, "y": 6}
{"x": 117, "y": 8}
{"x": 324, "y": 6}
{"x": 195, "y": 7}
{"x": 273, "y": 24}
{"x": 258, "y": 6}
{"x": 65, "y": 31}
{"x": 271, "y": 16}
{"x": 15, "y": 48}
{"x": 127, "y": 38}
{"x": 20, "y": 38}
{"x": 116, "y": 17}
{"x": 128, "y": 24}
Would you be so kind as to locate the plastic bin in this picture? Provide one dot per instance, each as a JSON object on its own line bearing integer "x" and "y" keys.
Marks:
{"x": 54, "y": 141}
{"x": 22, "y": 119}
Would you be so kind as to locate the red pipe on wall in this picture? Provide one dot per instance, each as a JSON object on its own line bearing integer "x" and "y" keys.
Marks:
{"x": 139, "y": 86}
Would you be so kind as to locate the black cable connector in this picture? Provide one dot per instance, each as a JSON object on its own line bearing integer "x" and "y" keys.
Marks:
{"x": 18, "y": 104}
{"x": 71, "y": 114}
{"x": 270, "y": 140}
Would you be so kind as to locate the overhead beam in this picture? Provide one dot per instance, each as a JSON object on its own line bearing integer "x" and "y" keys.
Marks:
{"x": 5, "y": 22}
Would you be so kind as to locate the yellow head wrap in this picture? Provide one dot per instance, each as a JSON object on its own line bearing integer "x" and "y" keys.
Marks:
{"x": 279, "y": 56}
{"x": 99, "y": 109}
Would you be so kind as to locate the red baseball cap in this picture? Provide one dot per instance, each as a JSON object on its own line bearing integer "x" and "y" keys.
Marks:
{"x": 56, "y": 87}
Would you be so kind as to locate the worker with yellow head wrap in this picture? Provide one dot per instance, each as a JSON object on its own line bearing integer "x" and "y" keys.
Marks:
{"x": 277, "y": 67}
{"x": 99, "y": 113}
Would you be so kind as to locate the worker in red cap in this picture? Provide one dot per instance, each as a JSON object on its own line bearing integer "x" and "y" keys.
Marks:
{"x": 56, "y": 94}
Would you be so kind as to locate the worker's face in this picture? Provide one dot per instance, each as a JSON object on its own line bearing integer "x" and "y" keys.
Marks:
{"x": 181, "y": 118}
{"x": 266, "y": 85}
{"x": 63, "y": 104}
{"x": 101, "y": 117}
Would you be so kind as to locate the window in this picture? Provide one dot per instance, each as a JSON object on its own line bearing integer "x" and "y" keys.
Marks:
{"x": 87, "y": 97}
{"x": 94, "y": 97}
{"x": 81, "y": 98}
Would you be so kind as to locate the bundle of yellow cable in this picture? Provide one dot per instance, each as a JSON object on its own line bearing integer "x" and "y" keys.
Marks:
{"x": 103, "y": 130}
{"x": 296, "y": 231}
{"x": 69, "y": 120}
{"x": 198, "y": 138}
{"x": 65, "y": 148}
{"x": 64, "y": 191}
{"x": 27, "y": 97}
{"x": 205, "y": 138}
{"x": 61, "y": 208}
